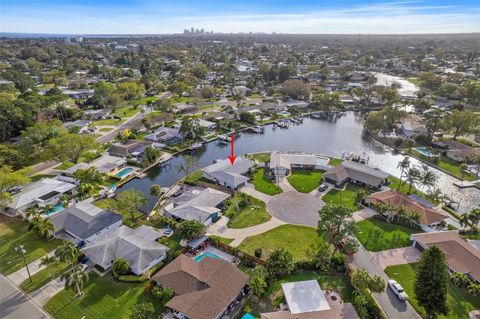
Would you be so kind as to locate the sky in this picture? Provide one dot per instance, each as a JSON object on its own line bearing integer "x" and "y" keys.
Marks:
{"x": 281, "y": 16}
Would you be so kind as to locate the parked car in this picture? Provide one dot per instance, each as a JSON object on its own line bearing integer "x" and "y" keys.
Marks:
{"x": 397, "y": 290}
{"x": 323, "y": 187}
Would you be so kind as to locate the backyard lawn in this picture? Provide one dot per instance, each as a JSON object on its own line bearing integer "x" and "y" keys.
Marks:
{"x": 14, "y": 232}
{"x": 261, "y": 157}
{"x": 294, "y": 238}
{"x": 126, "y": 111}
{"x": 110, "y": 203}
{"x": 64, "y": 166}
{"x": 454, "y": 168}
{"x": 44, "y": 276}
{"x": 103, "y": 298}
{"x": 345, "y": 197}
{"x": 246, "y": 212}
{"x": 305, "y": 180}
{"x": 274, "y": 294}
{"x": 263, "y": 184}
{"x": 376, "y": 235}
{"x": 335, "y": 161}
{"x": 404, "y": 188}
{"x": 459, "y": 301}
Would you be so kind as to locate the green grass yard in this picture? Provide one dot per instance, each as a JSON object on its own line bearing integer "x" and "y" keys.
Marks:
{"x": 335, "y": 161}
{"x": 64, "y": 166}
{"x": 252, "y": 214}
{"x": 261, "y": 157}
{"x": 44, "y": 276}
{"x": 376, "y": 235}
{"x": 263, "y": 184}
{"x": 304, "y": 180}
{"x": 126, "y": 111}
{"x": 294, "y": 238}
{"x": 459, "y": 301}
{"x": 14, "y": 232}
{"x": 345, "y": 196}
{"x": 103, "y": 299}
{"x": 108, "y": 122}
{"x": 454, "y": 168}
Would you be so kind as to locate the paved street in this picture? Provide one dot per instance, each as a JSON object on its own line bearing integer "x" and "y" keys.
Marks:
{"x": 20, "y": 275}
{"x": 15, "y": 305}
{"x": 391, "y": 305}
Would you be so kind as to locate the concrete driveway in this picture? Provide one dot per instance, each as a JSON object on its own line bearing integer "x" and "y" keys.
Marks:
{"x": 396, "y": 256}
{"x": 295, "y": 208}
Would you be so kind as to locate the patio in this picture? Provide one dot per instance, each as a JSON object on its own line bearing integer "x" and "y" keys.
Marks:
{"x": 200, "y": 248}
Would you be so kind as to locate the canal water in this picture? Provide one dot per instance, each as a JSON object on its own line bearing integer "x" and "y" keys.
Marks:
{"x": 320, "y": 136}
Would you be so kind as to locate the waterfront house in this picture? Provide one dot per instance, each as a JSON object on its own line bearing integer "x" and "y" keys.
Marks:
{"x": 204, "y": 289}
{"x": 139, "y": 247}
{"x": 207, "y": 125}
{"x": 282, "y": 163}
{"x": 199, "y": 204}
{"x": 106, "y": 164}
{"x": 428, "y": 215}
{"x": 130, "y": 148}
{"x": 165, "y": 135}
{"x": 223, "y": 173}
{"x": 458, "y": 151}
{"x": 42, "y": 193}
{"x": 306, "y": 300}
{"x": 84, "y": 222}
{"x": 461, "y": 256}
{"x": 411, "y": 128}
{"x": 349, "y": 171}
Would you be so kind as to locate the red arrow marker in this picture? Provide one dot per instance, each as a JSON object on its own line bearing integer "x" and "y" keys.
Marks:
{"x": 232, "y": 156}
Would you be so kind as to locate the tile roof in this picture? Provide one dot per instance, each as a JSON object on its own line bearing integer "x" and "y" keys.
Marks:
{"x": 202, "y": 289}
{"x": 427, "y": 215}
{"x": 460, "y": 255}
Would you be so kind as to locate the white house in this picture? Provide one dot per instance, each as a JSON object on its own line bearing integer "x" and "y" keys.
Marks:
{"x": 223, "y": 173}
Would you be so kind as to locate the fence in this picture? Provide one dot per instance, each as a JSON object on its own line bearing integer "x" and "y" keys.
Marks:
{"x": 244, "y": 256}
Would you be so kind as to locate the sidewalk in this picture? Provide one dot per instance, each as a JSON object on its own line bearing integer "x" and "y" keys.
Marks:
{"x": 363, "y": 213}
{"x": 249, "y": 189}
{"x": 20, "y": 275}
{"x": 42, "y": 295}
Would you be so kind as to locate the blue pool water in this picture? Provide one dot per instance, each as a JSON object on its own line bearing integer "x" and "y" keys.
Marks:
{"x": 248, "y": 316}
{"x": 57, "y": 208}
{"x": 424, "y": 151}
{"x": 124, "y": 172}
{"x": 207, "y": 254}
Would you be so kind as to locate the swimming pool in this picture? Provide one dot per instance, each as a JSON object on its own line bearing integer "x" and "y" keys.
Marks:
{"x": 124, "y": 172}
{"x": 206, "y": 254}
{"x": 248, "y": 316}
{"x": 57, "y": 208}
{"x": 424, "y": 151}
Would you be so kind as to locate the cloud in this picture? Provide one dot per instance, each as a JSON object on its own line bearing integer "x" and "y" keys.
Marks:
{"x": 380, "y": 18}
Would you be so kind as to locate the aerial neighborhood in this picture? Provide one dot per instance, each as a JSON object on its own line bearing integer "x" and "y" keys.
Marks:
{"x": 212, "y": 175}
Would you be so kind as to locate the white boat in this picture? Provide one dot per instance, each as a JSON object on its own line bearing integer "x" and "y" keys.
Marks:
{"x": 196, "y": 146}
{"x": 257, "y": 129}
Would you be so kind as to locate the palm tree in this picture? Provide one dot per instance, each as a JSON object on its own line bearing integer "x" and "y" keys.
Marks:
{"x": 414, "y": 217}
{"x": 31, "y": 213}
{"x": 360, "y": 196}
{"x": 401, "y": 213}
{"x": 47, "y": 260}
{"x": 403, "y": 165}
{"x": 48, "y": 209}
{"x": 435, "y": 194}
{"x": 67, "y": 252}
{"x": 474, "y": 218}
{"x": 464, "y": 221}
{"x": 428, "y": 179}
{"x": 45, "y": 228}
{"x": 413, "y": 175}
{"x": 75, "y": 280}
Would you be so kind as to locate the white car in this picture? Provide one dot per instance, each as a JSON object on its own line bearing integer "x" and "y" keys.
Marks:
{"x": 397, "y": 290}
{"x": 83, "y": 267}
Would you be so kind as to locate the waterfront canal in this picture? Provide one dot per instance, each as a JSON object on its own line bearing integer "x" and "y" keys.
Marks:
{"x": 320, "y": 136}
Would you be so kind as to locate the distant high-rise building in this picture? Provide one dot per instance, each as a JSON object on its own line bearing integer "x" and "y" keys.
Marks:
{"x": 202, "y": 31}
{"x": 192, "y": 30}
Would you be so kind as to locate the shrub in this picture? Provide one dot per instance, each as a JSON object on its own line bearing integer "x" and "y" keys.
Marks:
{"x": 120, "y": 267}
{"x": 131, "y": 278}
{"x": 258, "y": 252}
{"x": 459, "y": 279}
{"x": 474, "y": 290}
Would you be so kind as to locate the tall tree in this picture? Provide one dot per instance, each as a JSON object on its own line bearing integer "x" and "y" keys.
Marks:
{"x": 71, "y": 147}
{"x": 75, "y": 280}
{"x": 130, "y": 201}
{"x": 336, "y": 224}
{"x": 280, "y": 262}
{"x": 403, "y": 165}
{"x": 461, "y": 122}
{"x": 10, "y": 179}
{"x": 431, "y": 282}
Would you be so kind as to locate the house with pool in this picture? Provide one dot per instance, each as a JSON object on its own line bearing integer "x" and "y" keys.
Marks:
{"x": 282, "y": 163}
{"x": 84, "y": 222}
{"x": 209, "y": 288}
{"x": 113, "y": 166}
{"x": 196, "y": 203}
{"x": 349, "y": 171}
{"x": 42, "y": 193}
{"x": 139, "y": 247}
{"x": 231, "y": 176}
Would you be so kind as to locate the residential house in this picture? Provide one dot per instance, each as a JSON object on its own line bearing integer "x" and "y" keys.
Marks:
{"x": 106, "y": 164}
{"x": 139, "y": 247}
{"x": 81, "y": 125}
{"x": 204, "y": 289}
{"x": 411, "y": 128}
{"x": 217, "y": 116}
{"x": 84, "y": 222}
{"x": 458, "y": 151}
{"x": 282, "y": 163}
{"x": 229, "y": 175}
{"x": 130, "y": 148}
{"x": 428, "y": 215}
{"x": 461, "y": 256}
{"x": 349, "y": 171}
{"x": 165, "y": 135}
{"x": 42, "y": 193}
{"x": 207, "y": 125}
{"x": 306, "y": 300}
{"x": 200, "y": 204}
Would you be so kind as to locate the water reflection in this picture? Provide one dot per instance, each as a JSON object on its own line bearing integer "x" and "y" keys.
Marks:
{"x": 321, "y": 136}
